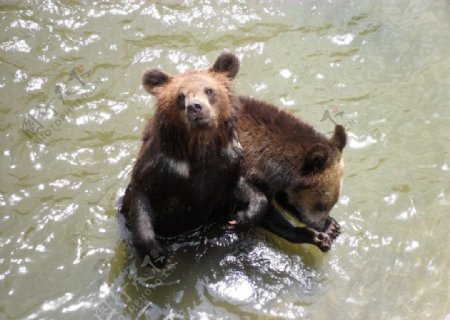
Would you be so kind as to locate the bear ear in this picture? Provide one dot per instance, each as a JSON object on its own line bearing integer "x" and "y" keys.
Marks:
{"x": 226, "y": 63}
{"x": 316, "y": 159}
{"x": 153, "y": 79}
{"x": 339, "y": 138}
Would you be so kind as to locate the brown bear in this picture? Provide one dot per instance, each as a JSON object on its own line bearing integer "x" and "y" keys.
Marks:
{"x": 188, "y": 170}
{"x": 294, "y": 165}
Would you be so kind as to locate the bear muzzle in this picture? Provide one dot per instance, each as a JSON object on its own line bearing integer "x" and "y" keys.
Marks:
{"x": 198, "y": 114}
{"x": 195, "y": 107}
{"x": 315, "y": 220}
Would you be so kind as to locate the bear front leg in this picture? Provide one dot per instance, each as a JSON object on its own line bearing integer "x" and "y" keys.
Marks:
{"x": 144, "y": 237}
{"x": 276, "y": 223}
{"x": 252, "y": 206}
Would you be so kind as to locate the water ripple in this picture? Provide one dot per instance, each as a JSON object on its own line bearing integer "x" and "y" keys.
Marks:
{"x": 385, "y": 67}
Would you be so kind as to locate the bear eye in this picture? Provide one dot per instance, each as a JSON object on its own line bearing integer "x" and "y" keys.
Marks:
{"x": 209, "y": 91}
{"x": 180, "y": 99}
{"x": 321, "y": 207}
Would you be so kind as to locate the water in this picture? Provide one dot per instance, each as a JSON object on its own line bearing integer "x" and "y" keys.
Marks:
{"x": 71, "y": 72}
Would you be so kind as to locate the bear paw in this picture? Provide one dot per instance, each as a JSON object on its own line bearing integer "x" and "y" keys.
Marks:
{"x": 322, "y": 240}
{"x": 332, "y": 229}
{"x": 240, "y": 223}
{"x": 153, "y": 254}
{"x": 237, "y": 225}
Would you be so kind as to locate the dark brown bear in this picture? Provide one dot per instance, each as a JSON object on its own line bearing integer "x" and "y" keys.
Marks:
{"x": 300, "y": 168}
{"x": 189, "y": 165}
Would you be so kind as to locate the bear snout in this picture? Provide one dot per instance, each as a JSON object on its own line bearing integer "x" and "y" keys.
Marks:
{"x": 195, "y": 106}
{"x": 199, "y": 114}
{"x": 319, "y": 225}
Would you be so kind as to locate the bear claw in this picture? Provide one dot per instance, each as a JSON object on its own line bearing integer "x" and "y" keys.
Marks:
{"x": 232, "y": 225}
{"x": 333, "y": 228}
{"x": 323, "y": 240}
{"x": 153, "y": 254}
{"x": 240, "y": 223}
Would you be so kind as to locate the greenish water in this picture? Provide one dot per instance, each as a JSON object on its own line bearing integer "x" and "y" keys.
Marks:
{"x": 70, "y": 79}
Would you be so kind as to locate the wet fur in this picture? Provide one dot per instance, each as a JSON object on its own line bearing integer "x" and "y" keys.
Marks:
{"x": 282, "y": 153}
{"x": 275, "y": 146}
{"x": 185, "y": 177}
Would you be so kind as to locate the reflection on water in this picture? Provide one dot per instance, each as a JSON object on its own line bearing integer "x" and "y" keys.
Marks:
{"x": 230, "y": 273}
{"x": 71, "y": 115}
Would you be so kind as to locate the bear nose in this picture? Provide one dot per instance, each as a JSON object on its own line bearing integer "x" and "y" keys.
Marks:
{"x": 195, "y": 106}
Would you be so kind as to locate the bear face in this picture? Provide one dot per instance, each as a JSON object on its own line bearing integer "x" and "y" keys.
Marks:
{"x": 314, "y": 192}
{"x": 196, "y": 100}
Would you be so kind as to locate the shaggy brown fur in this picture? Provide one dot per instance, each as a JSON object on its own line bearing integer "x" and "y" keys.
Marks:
{"x": 292, "y": 162}
{"x": 188, "y": 170}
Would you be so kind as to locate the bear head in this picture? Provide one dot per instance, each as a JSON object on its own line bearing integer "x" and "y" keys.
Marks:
{"x": 315, "y": 188}
{"x": 196, "y": 100}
